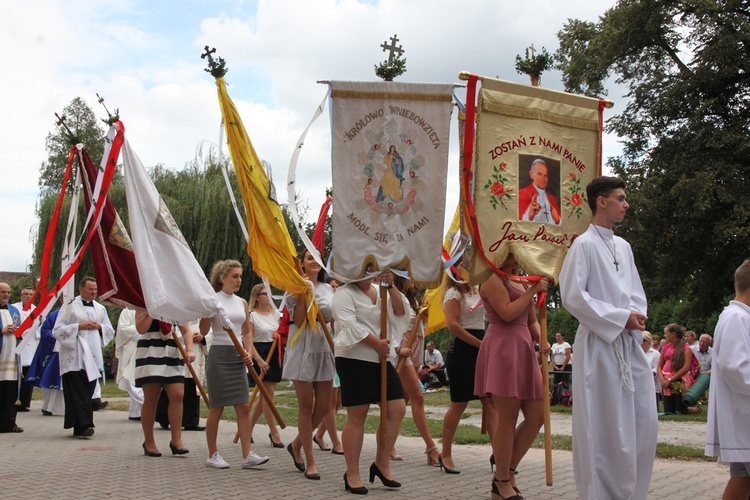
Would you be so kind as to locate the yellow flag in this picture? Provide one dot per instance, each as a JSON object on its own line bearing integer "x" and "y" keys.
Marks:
{"x": 434, "y": 296}
{"x": 269, "y": 244}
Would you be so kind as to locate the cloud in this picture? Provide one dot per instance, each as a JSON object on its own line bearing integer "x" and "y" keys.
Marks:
{"x": 143, "y": 58}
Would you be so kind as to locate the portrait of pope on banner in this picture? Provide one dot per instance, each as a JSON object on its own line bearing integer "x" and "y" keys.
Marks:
{"x": 539, "y": 189}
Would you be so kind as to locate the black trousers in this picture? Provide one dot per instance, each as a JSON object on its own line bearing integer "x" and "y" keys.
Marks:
{"x": 673, "y": 404}
{"x": 77, "y": 393}
{"x": 26, "y": 389}
{"x": 191, "y": 406}
{"x": 8, "y": 395}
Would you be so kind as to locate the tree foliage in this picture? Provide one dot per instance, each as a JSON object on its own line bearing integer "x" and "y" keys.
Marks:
{"x": 86, "y": 129}
{"x": 684, "y": 130}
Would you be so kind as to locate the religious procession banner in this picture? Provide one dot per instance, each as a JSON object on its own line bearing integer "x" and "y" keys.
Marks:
{"x": 175, "y": 289}
{"x": 536, "y": 150}
{"x": 112, "y": 254}
{"x": 390, "y": 158}
{"x": 269, "y": 245}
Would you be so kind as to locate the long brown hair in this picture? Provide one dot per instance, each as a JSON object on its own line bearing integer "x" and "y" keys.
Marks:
{"x": 678, "y": 356}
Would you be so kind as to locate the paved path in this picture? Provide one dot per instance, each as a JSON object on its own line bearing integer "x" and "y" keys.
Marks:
{"x": 45, "y": 462}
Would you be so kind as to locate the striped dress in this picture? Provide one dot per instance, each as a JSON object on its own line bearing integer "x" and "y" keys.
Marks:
{"x": 157, "y": 359}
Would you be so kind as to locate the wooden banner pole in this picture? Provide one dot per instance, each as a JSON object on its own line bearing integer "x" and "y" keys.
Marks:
{"x": 543, "y": 345}
{"x": 263, "y": 392}
{"x": 190, "y": 367}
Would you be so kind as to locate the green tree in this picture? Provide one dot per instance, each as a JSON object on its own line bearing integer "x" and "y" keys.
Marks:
{"x": 684, "y": 130}
{"x": 86, "y": 129}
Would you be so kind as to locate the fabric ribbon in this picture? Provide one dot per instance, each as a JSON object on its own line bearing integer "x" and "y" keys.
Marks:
{"x": 466, "y": 178}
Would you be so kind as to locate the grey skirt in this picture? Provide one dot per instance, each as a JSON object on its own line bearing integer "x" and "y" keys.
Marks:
{"x": 226, "y": 377}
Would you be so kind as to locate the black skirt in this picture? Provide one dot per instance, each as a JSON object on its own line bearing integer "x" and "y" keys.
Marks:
{"x": 360, "y": 382}
{"x": 274, "y": 369}
{"x": 461, "y": 366}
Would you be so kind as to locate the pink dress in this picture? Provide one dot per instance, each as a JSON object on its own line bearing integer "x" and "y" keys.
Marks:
{"x": 507, "y": 365}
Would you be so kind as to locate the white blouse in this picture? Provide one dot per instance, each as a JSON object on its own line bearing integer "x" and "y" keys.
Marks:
{"x": 356, "y": 317}
{"x": 471, "y": 315}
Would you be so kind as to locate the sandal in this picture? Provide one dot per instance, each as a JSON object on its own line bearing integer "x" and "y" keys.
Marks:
{"x": 16, "y": 429}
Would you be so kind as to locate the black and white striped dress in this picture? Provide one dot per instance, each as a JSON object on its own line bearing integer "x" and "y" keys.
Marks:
{"x": 157, "y": 359}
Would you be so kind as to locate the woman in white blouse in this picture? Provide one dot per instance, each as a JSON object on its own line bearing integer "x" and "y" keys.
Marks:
{"x": 464, "y": 314}
{"x": 309, "y": 363}
{"x": 359, "y": 350}
{"x": 264, "y": 322}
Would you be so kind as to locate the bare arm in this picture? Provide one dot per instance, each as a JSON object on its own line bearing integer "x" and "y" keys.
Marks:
{"x": 495, "y": 292}
{"x": 142, "y": 321}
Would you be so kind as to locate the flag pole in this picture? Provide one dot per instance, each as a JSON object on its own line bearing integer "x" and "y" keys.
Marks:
{"x": 190, "y": 366}
{"x": 261, "y": 377}
{"x": 412, "y": 337}
{"x": 543, "y": 345}
{"x": 383, "y": 367}
{"x": 263, "y": 392}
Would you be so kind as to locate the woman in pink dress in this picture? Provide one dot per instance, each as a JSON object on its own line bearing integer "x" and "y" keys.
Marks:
{"x": 507, "y": 370}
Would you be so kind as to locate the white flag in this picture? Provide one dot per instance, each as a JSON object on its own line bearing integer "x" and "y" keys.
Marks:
{"x": 175, "y": 288}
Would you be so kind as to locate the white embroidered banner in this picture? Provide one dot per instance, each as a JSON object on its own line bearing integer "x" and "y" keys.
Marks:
{"x": 390, "y": 159}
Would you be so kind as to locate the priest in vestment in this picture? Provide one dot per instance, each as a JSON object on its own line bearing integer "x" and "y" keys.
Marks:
{"x": 615, "y": 425}
{"x": 28, "y": 353}
{"x": 10, "y": 319}
{"x": 81, "y": 330}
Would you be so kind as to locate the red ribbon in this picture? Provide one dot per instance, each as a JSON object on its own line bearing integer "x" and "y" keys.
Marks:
{"x": 466, "y": 176}
{"x": 108, "y": 174}
{"x": 318, "y": 238}
{"x": 49, "y": 240}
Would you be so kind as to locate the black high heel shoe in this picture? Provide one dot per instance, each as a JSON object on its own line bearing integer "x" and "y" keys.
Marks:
{"x": 496, "y": 492}
{"x": 360, "y": 490}
{"x": 274, "y": 443}
{"x": 447, "y": 469}
{"x": 492, "y": 462}
{"x": 150, "y": 453}
{"x": 178, "y": 451}
{"x": 388, "y": 483}
{"x": 514, "y": 471}
{"x": 299, "y": 465}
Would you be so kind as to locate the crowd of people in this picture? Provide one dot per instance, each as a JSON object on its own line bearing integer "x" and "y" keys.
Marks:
{"x": 343, "y": 360}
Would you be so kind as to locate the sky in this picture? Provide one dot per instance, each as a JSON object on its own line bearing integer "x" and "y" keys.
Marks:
{"x": 143, "y": 58}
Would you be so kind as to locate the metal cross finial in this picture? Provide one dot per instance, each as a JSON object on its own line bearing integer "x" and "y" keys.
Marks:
{"x": 208, "y": 52}
{"x": 217, "y": 67}
{"x": 392, "y": 48}
{"x": 61, "y": 123}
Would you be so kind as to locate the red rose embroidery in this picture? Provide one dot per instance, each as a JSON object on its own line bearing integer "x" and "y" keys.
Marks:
{"x": 576, "y": 200}
{"x": 497, "y": 189}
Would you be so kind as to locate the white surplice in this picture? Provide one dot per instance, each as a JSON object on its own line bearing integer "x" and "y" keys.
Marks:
{"x": 615, "y": 425}
{"x": 82, "y": 349}
{"x": 126, "y": 342}
{"x": 28, "y": 352}
{"x": 727, "y": 432}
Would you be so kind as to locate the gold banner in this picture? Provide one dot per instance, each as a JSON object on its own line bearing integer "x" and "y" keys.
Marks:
{"x": 536, "y": 150}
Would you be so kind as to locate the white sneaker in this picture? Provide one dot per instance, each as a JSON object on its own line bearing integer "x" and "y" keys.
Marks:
{"x": 253, "y": 460}
{"x": 217, "y": 462}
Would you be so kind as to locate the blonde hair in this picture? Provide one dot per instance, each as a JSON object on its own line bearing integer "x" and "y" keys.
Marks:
{"x": 742, "y": 277}
{"x": 253, "y": 300}
{"x": 219, "y": 270}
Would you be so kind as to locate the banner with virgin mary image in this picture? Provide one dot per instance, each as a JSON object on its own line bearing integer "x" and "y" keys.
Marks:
{"x": 536, "y": 150}
{"x": 390, "y": 159}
